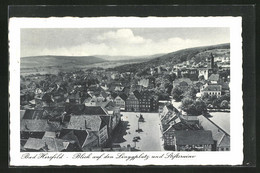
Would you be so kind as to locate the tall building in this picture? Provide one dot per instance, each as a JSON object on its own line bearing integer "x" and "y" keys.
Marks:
{"x": 210, "y": 61}
{"x": 132, "y": 102}
{"x": 206, "y": 72}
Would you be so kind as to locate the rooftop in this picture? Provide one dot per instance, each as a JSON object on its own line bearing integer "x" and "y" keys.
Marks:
{"x": 84, "y": 122}
{"x": 212, "y": 88}
{"x": 39, "y": 125}
{"x": 193, "y": 137}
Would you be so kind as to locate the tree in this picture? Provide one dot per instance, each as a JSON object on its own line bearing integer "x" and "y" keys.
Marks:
{"x": 177, "y": 93}
{"x": 193, "y": 107}
{"x": 191, "y": 93}
{"x": 224, "y": 104}
{"x": 201, "y": 107}
{"x": 201, "y": 78}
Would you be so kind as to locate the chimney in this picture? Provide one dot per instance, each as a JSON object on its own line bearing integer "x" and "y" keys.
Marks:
{"x": 26, "y": 127}
{"x": 46, "y": 146}
{"x": 86, "y": 124}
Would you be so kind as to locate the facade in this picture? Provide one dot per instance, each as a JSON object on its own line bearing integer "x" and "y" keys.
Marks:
{"x": 211, "y": 90}
{"x": 132, "y": 102}
{"x": 205, "y": 72}
{"x": 193, "y": 140}
{"x": 90, "y": 123}
{"x": 191, "y": 73}
{"x": 184, "y": 82}
{"x": 220, "y": 136}
{"x": 147, "y": 103}
{"x": 49, "y": 144}
{"x": 120, "y": 101}
{"x": 214, "y": 79}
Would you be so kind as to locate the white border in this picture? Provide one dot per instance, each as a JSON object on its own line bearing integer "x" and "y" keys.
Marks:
{"x": 233, "y": 157}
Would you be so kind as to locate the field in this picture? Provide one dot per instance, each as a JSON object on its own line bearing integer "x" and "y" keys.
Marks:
{"x": 51, "y": 66}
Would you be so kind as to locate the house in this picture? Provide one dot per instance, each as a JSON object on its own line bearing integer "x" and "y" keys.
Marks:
{"x": 193, "y": 140}
{"x": 39, "y": 125}
{"x": 46, "y": 145}
{"x": 132, "y": 102}
{"x": 114, "y": 113}
{"x": 191, "y": 73}
{"x": 211, "y": 90}
{"x": 177, "y": 71}
{"x": 36, "y": 128}
{"x": 182, "y": 82}
{"x": 43, "y": 99}
{"x": 115, "y": 76}
{"x": 168, "y": 113}
{"x": 33, "y": 114}
{"x": 147, "y": 103}
{"x": 104, "y": 87}
{"x": 214, "y": 79}
{"x": 77, "y": 97}
{"x": 172, "y": 120}
{"x": 144, "y": 83}
{"x": 90, "y": 123}
{"x": 225, "y": 88}
{"x": 205, "y": 72}
{"x": 119, "y": 88}
{"x": 79, "y": 136}
{"x": 220, "y": 132}
{"x": 109, "y": 113}
{"x": 120, "y": 101}
{"x": 197, "y": 85}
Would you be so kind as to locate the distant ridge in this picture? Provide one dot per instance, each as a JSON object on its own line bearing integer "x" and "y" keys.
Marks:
{"x": 52, "y": 60}
{"x": 171, "y": 58}
{"x": 122, "y": 57}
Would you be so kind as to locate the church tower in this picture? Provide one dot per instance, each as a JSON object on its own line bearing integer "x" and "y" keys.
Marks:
{"x": 210, "y": 61}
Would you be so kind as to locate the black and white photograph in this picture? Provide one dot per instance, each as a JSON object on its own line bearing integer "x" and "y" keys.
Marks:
{"x": 126, "y": 89}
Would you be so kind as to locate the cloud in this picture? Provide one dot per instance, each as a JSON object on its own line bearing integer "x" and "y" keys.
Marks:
{"x": 120, "y": 42}
{"x": 122, "y": 36}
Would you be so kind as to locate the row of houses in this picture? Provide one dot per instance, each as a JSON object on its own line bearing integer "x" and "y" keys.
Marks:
{"x": 191, "y": 134}
{"x": 213, "y": 86}
{"x": 75, "y": 128}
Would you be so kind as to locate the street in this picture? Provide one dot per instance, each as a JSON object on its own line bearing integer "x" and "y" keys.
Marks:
{"x": 150, "y": 135}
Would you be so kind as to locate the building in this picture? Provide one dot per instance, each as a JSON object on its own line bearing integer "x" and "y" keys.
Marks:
{"x": 184, "y": 83}
{"x": 77, "y": 97}
{"x": 81, "y": 137}
{"x": 90, "y": 123}
{"x": 120, "y": 101}
{"x": 191, "y": 73}
{"x": 211, "y": 68}
{"x": 168, "y": 112}
{"x": 107, "y": 112}
{"x": 214, "y": 79}
{"x": 132, "y": 102}
{"x": 49, "y": 144}
{"x": 211, "y": 90}
{"x": 205, "y": 72}
{"x": 210, "y": 61}
{"x": 144, "y": 83}
{"x": 193, "y": 140}
{"x": 220, "y": 134}
{"x": 147, "y": 102}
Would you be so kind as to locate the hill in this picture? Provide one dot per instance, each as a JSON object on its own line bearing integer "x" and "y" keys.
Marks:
{"x": 172, "y": 58}
{"x": 58, "y": 61}
{"x": 128, "y": 58}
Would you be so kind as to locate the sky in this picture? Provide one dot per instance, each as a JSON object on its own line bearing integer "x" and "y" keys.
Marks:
{"x": 116, "y": 41}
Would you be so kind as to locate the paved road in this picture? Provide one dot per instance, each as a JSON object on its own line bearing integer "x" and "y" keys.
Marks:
{"x": 151, "y": 137}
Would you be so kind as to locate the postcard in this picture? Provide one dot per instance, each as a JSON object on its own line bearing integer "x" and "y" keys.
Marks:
{"x": 125, "y": 91}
